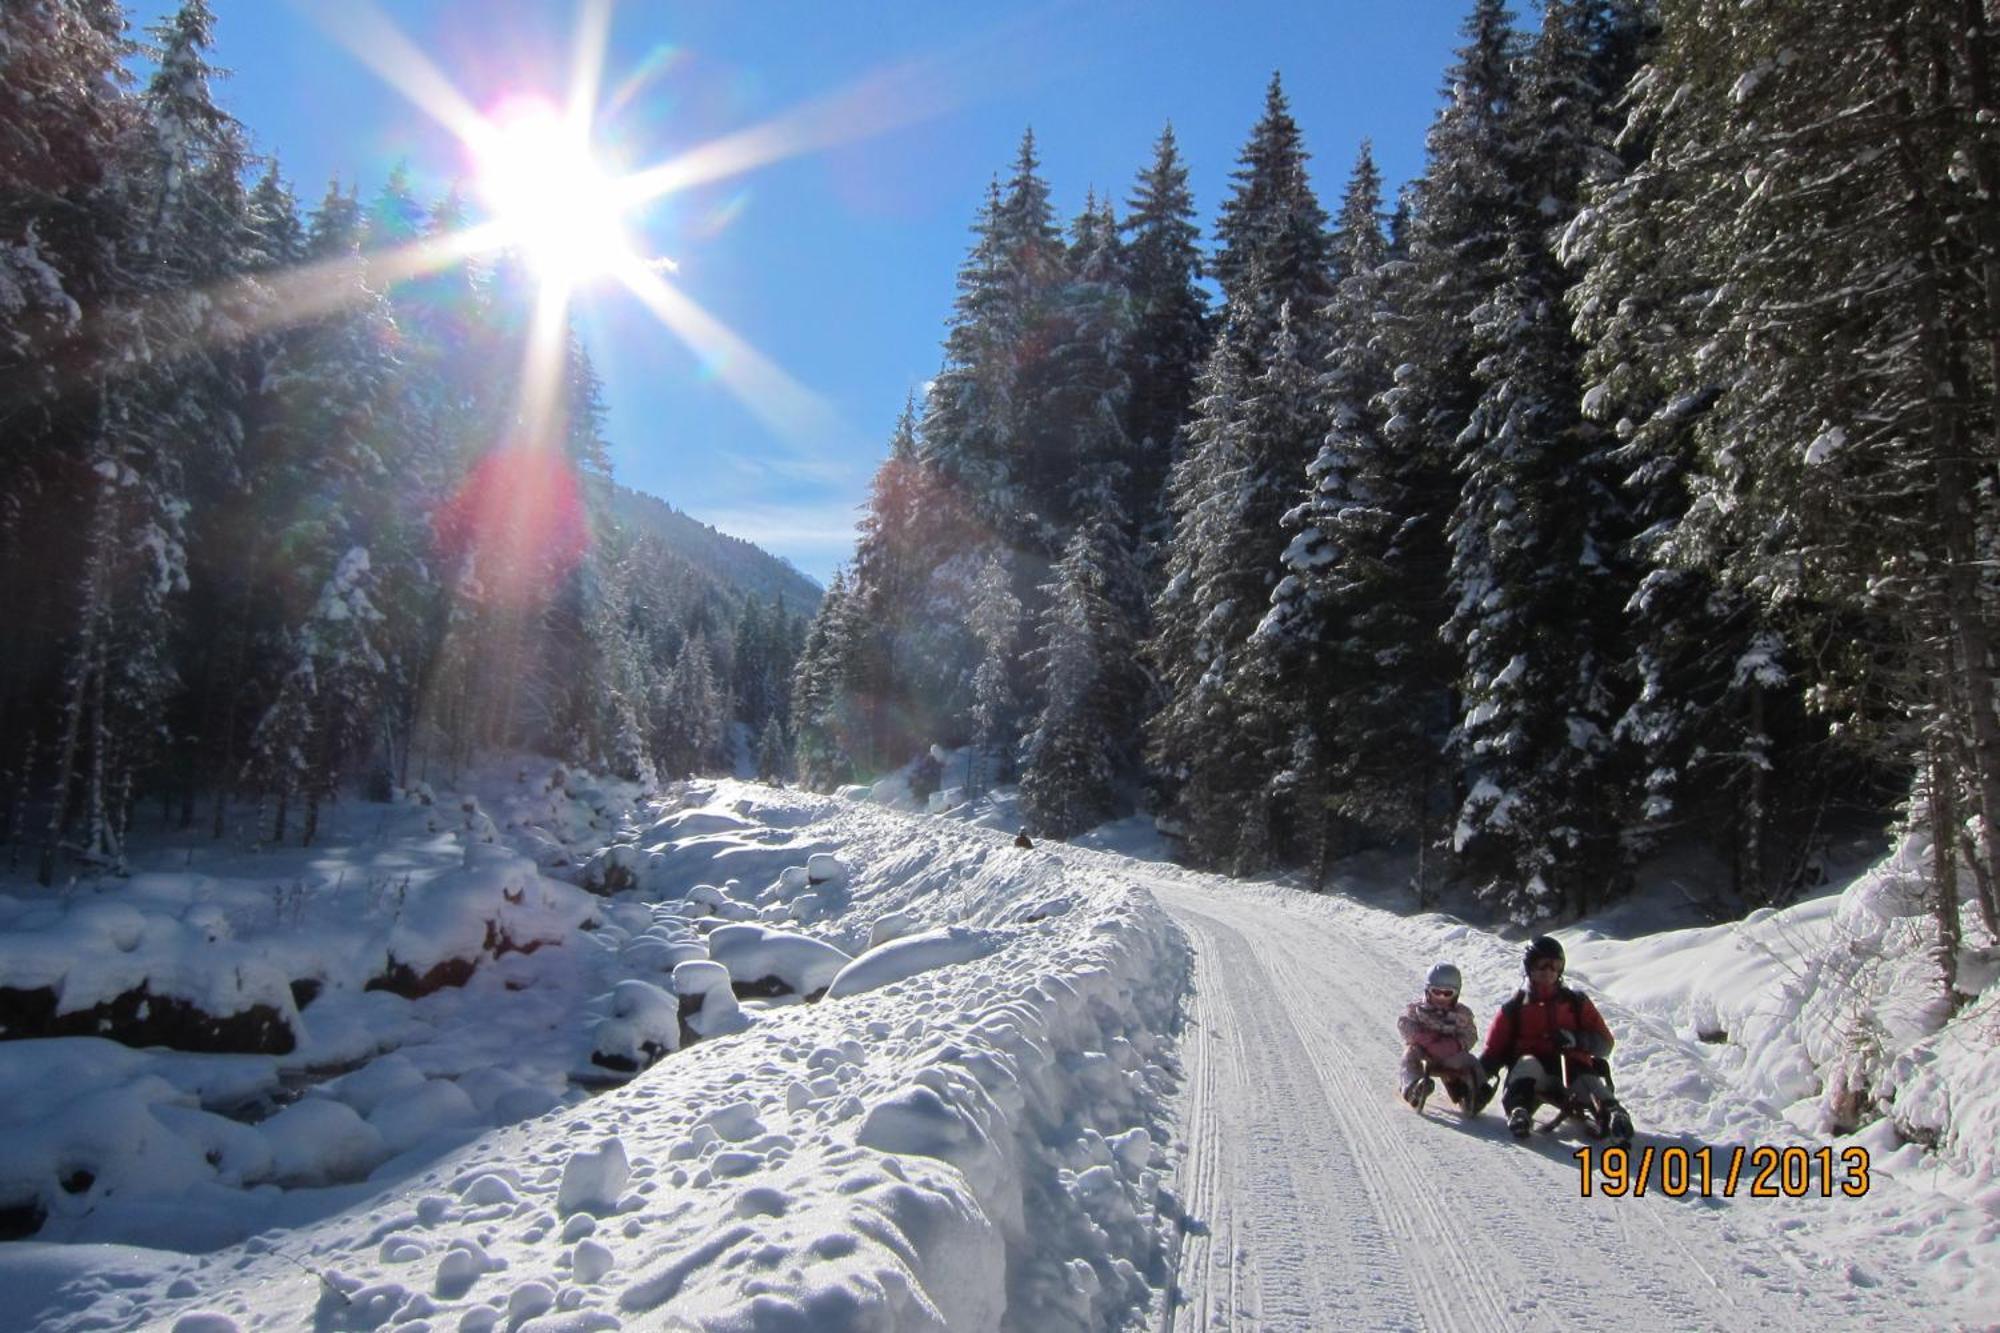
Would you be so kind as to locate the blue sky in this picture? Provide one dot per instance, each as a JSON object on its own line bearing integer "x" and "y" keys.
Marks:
{"x": 835, "y": 264}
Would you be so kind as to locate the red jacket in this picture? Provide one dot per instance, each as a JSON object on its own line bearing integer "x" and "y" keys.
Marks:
{"x": 1528, "y": 1026}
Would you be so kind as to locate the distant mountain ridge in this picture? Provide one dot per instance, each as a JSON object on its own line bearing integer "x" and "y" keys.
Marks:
{"x": 737, "y": 566}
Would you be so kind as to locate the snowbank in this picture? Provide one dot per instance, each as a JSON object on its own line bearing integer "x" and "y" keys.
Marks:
{"x": 964, "y": 1133}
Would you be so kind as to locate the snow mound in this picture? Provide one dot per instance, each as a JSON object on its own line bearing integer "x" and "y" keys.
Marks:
{"x": 900, "y": 959}
{"x": 753, "y": 953}
{"x": 593, "y": 1181}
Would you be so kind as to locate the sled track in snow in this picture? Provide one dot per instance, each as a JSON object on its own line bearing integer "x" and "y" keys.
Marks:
{"x": 1316, "y": 1200}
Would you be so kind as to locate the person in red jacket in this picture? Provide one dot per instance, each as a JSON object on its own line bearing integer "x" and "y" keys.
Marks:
{"x": 1554, "y": 1044}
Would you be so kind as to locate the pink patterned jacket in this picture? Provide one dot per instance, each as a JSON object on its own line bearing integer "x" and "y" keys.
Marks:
{"x": 1438, "y": 1033}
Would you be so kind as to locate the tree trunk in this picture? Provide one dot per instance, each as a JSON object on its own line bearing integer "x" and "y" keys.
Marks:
{"x": 121, "y": 818}
{"x": 1972, "y": 653}
{"x": 17, "y": 804}
{"x": 79, "y": 686}
{"x": 1984, "y": 102}
{"x": 98, "y": 842}
{"x": 320, "y": 765}
{"x": 72, "y": 733}
{"x": 225, "y": 777}
{"x": 1944, "y": 821}
{"x": 1755, "y": 886}
{"x": 1952, "y": 482}
{"x": 1420, "y": 825}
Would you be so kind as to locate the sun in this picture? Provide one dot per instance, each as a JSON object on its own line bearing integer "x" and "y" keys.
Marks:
{"x": 552, "y": 199}
{"x": 549, "y": 196}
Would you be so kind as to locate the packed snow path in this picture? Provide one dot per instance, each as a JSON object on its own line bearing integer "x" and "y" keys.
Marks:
{"x": 1315, "y": 1199}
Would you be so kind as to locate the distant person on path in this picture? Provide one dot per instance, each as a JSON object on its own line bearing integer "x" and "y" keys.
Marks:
{"x": 1021, "y": 839}
{"x": 1554, "y": 1044}
{"x": 1439, "y": 1033}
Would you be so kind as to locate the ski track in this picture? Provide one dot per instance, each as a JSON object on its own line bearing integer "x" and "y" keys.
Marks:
{"x": 1313, "y": 1198}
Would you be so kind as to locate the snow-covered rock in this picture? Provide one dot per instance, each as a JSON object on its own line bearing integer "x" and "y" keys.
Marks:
{"x": 757, "y": 956}
{"x": 716, "y": 1012}
{"x": 644, "y": 1024}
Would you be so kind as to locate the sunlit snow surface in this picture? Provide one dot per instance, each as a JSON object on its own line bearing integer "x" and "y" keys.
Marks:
{"x": 926, "y": 1150}
{"x": 974, "y": 1130}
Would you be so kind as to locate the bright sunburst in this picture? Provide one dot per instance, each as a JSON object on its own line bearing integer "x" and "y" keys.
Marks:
{"x": 551, "y": 198}
{"x": 554, "y": 201}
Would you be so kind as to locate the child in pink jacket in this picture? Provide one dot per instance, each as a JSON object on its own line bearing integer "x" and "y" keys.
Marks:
{"x": 1440, "y": 1035}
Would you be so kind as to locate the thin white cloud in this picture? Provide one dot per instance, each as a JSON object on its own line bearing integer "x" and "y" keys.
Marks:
{"x": 815, "y": 535}
{"x": 791, "y": 471}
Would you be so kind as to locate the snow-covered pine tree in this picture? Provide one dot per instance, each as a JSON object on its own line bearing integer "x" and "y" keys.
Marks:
{"x": 1248, "y": 445}
{"x": 981, "y": 429}
{"x": 1214, "y": 742}
{"x": 1169, "y": 329}
{"x": 1535, "y": 574}
{"x": 754, "y": 666}
{"x": 1084, "y": 402}
{"x": 185, "y": 405}
{"x": 605, "y": 716}
{"x": 167, "y": 426}
{"x": 297, "y": 620}
{"x": 912, "y": 583}
{"x": 771, "y": 752}
{"x": 443, "y": 390}
{"x": 277, "y": 764}
{"x": 58, "y": 135}
{"x": 347, "y": 672}
{"x": 312, "y": 465}
{"x": 275, "y": 220}
{"x": 1717, "y": 723}
{"x": 995, "y": 622}
{"x": 1452, "y": 235}
{"x": 1080, "y": 746}
{"x": 1200, "y": 490}
{"x": 573, "y": 644}
{"x": 1272, "y": 245}
{"x": 1350, "y": 632}
{"x": 64, "y": 235}
{"x": 1283, "y": 426}
{"x": 1833, "y": 165}
{"x": 689, "y": 714}
{"x": 818, "y": 740}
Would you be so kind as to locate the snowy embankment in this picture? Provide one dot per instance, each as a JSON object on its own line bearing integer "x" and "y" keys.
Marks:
{"x": 963, "y": 1132}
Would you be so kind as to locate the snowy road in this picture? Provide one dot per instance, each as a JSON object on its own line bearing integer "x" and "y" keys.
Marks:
{"x": 1317, "y": 1200}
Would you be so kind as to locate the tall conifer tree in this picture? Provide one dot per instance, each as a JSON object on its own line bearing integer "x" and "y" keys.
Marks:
{"x": 1170, "y": 333}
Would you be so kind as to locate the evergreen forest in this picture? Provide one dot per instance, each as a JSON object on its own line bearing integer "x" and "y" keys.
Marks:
{"x": 1624, "y": 485}
{"x": 278, "y": 513}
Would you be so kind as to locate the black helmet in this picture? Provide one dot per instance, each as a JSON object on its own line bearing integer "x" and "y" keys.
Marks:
{"x": 1543, "y": 946}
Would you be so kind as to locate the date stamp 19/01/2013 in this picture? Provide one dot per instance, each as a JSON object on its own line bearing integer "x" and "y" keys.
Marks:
{"x": 1759, "y": 1172}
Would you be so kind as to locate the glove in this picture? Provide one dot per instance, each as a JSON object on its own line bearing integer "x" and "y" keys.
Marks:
{"x": 1565, "y": 1040}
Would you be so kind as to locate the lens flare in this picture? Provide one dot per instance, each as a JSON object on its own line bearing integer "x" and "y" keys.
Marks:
{"x": 518, "y": 524}
{"x": 551, "y": 199}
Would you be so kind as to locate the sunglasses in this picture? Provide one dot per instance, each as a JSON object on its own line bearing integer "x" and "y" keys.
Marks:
{"x": 1546, "y": 965}
{"x": 1440, "y": 993}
